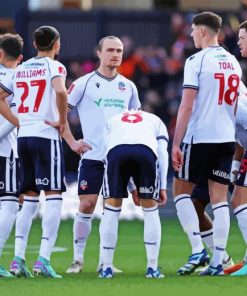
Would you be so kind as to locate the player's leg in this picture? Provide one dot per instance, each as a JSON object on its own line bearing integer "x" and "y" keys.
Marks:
{"x": 49, "y": 175}
{"x": 219, "y": 178}
{"x": 90, "y": 181}
{"x": 116, "y": 176}
{"x": 183, "y": 184}
{"x": 30, "y": 193}
{"x": 8, "y": 201}
{"x": 109, "y": 234}
{"x": 152, "y": 237}
{"x": 239, "y": 204}
{"x": 200, "y": 197}
{"x": 146, "y": 176}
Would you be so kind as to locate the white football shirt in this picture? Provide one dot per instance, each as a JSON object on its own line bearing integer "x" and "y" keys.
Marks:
{"x": 8, "y": 142}
{"x": 35, "y": 97}
{"x": 97, "y": 99}
{"x": 241, "y": 117}
{"x": 139, "y": 127}
{"x": 216, "y": 74}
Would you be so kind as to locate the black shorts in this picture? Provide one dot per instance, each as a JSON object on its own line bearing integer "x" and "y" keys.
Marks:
{"x": 9, "y": 176}
{"x": 91, "y": 174}
{"x": 137, "y": 161}
{"x": 41, "y": 164}
{"x": 207, "y": 161}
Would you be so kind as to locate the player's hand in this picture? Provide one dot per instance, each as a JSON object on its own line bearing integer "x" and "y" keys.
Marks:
{"x": 177, "y": 158}
{"x": 54, "y": 124}
{"x": 80, "y": 147}
{"x": 135, "y": 198}
{"x": 233, "y": 177}
{"x": 60, "y": 126}
{"x": 234, "y": 171}
{"x": 162, "y": 197}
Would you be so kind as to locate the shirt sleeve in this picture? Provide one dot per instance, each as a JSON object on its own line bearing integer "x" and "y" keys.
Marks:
{"x": 134, "y": 101}
{"x": 7, "y": 84}
{"x": 76, "y": 92}
{"x": 191, "y": 73}
{"x": 163, "y": 139}
{"x": 58, "y": 70}
{"x": 7, "y": 127}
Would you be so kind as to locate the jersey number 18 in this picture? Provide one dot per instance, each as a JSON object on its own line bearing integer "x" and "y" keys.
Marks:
{"x": 231, "y": 94}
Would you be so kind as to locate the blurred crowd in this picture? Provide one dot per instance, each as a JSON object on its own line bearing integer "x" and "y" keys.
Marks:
{"x": 158, "y": 70}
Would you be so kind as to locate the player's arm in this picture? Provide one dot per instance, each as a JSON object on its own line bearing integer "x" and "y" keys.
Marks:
{"x": 58, "y": 84}
{"x": 77, "y": 146}
{"x": 134, "y": 101}
{"x": 133, "y": 190}
{"x": 163, "y": 163}
{"x": 5, "y": 110}
{"x": 183, "y": 117}
{"x": 236, "y": 162}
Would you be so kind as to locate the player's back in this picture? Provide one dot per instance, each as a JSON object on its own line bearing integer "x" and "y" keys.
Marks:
{"x": 135, "y": 127}
{"x": 35, "y": 97}
{"x": 216, "y": 74}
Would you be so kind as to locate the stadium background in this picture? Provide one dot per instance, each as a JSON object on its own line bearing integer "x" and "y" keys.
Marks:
{"x": 156, "y": 38}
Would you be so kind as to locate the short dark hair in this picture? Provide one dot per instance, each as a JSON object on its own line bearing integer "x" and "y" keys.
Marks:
{"x": 100, "y": 44}
{"x": 209, "y": 19}
{"x": 45, "y": 37}
{"x": 12, "y": 45}
{"x": 243, "y": 25}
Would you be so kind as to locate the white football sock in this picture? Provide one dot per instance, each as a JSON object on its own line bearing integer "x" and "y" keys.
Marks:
{"x": 221, "y": 226}
{"x": 207, "y": 238}
{"x": 23, "y": 224}
{"x": 189, "y": 220}
{"x": 109, "y": 233}
{"x": 8, "y": 212}
{"x": 241, "y": 215}
{"x": 152, "y": 235}
{"x": 50, "y": 224}
{"x": 81, "y": 230}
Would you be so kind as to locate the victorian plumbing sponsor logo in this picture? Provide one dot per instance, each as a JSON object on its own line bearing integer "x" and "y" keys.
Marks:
{"x": 146, "y": 189}
{"x": 221, "y": 174}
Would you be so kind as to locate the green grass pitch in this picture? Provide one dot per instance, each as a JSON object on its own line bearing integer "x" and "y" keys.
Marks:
{"x": 129, "y": 256}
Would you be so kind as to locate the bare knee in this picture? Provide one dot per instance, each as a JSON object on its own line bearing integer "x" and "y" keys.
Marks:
{"x": 87, "y": 203}
{"x": 181, "y": 187}
{"x": 148, "y": 203}
{"x": 239, "y": 196}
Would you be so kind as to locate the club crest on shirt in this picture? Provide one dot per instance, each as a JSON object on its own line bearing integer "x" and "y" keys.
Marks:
{"x": 121, "y": 86}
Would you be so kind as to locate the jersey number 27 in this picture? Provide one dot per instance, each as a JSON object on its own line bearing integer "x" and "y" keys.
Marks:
{"x": 34, "y": 83}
